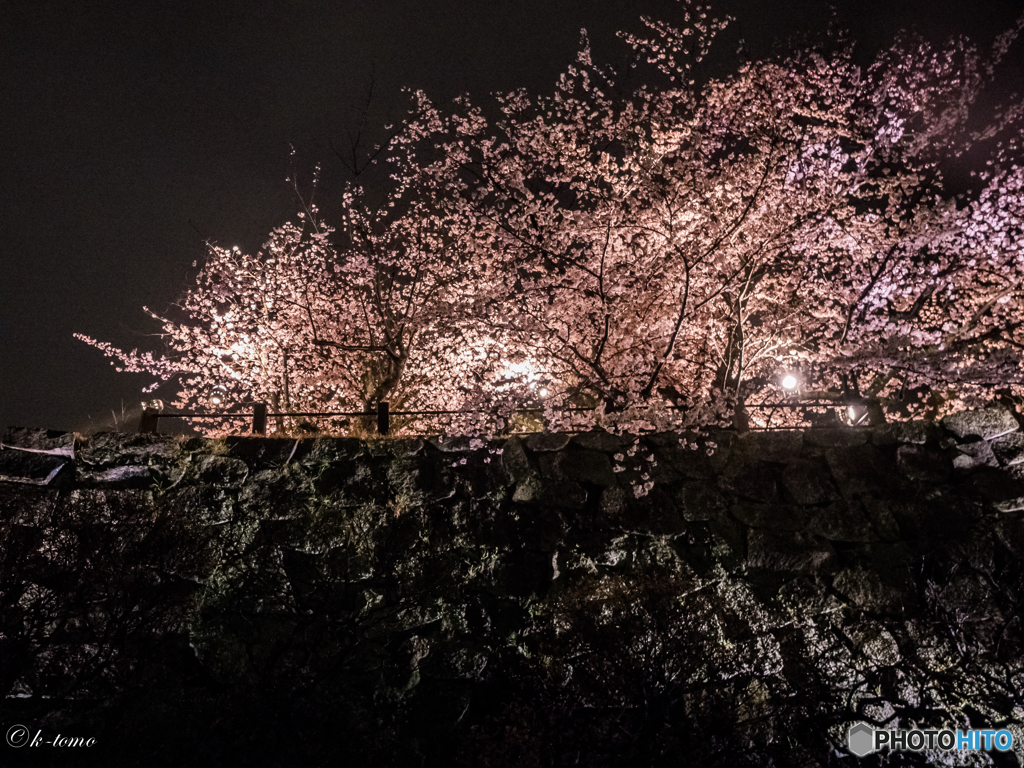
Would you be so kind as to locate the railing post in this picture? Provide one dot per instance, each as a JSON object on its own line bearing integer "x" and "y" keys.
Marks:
{"x": 383, "y": 417}
{"x": 259, "y": 418}
{"x": 148, "y": 421}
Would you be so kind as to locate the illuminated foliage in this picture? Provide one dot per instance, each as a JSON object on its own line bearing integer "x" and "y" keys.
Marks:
{"x": 663, "y": 236}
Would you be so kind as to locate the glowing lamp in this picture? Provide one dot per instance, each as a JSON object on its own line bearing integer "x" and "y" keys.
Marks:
{"x": 218, "y": 395}
{"x": 789, "y": 381}
{"x": 856, "y": 414}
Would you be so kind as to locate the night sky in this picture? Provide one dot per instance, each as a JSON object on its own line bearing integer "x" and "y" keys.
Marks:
{"x": 131, "y": 135}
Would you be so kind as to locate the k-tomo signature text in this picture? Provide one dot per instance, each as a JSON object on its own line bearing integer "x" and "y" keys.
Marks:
{"x": 21, "y": 736}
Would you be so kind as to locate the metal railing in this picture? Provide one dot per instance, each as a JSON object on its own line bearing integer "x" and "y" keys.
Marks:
{"x": 259, "y": 414}
{"x": 149, "y": 421}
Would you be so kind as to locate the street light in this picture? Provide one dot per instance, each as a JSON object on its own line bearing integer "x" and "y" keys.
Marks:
{"x": 856, "y": 414}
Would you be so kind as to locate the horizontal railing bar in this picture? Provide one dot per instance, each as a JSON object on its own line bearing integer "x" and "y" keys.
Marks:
{"x": 330, "y": 413}
{"x": 383, "y": 414}
{"x": 246, "y": 414}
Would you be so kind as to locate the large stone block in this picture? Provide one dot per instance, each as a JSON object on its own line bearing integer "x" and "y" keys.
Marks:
{"x": 719, "y": 449}
{"x": 970, "y": 456}
{"x": 456, "y": 443}
{"x": 32, "y": 468}
{"x": 537, "y": 526}
{"x": 482, "y": 476}
{"x": 1009, "y": 531}
{"x": 868, "y": 590}
{"x": 807, "y": 597}
{"x": 836, "y": 437}
{"x": 191, "y": 553}
{"x": 515, "y": 461}
{"x": 654, "y": 513}
{"x": 271, "y": 494}
{"x": 862, "y": 469}
{"x": 841, "y": 521}
{"x": 456, "y": 662}
{"x": 935, "y": 516}
{"x": 201, "y": 506}
{"x": 267, "y": 452}
{"x": 601, "y": 441}
{"x": 349, "y": 565}
{"x": 808, "y": 482}
{"x": 923, "y": 463}
{"x": 783, "y": 517}
{"x": 255, "y": 583}
{"x": 967, "y": 596}
{"x": 523, "y": 572}
{"x": 879, "y": 513}
{"x": 1009, "y": 449}
{"x": 580, "y": 466}
{"x": 986, "y": 423}
{"x": 129, "y": 476}
{"x": 1004, "y": 488}
{"x": 753, "y": 481}
{"x": 546, "y": 441}
{"x": 105, "y": 506}
{"x": 113, "y": 449}
{"x": 729, "y": 542}
{"x": 877, "y": 644}
{"x": 553, "y": 493}
{"x": 912, "y": 432}
{"x": 417, "y": 480}
{"x": 673, "y": 461}
{"x": 782, "y": 445}
{"x": 788, "y": 551}
{"x": 700, "y": 501}
{"x": 222, "y": 471}
{"x": 27, "y": 505}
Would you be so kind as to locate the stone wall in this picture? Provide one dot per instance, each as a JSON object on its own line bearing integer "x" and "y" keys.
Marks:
{"x": 541, "y": 600}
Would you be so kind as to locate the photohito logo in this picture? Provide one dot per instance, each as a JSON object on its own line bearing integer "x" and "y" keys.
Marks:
{"x": 862, "y": 739}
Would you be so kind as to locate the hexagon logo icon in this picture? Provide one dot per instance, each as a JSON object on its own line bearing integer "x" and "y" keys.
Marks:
{"x": 861, "y": 739}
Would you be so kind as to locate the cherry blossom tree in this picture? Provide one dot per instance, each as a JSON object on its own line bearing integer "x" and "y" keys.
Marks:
{"x": 322, "y": 320}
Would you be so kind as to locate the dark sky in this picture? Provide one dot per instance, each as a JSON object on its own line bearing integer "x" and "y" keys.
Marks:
{"x": 129, "y": 135}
